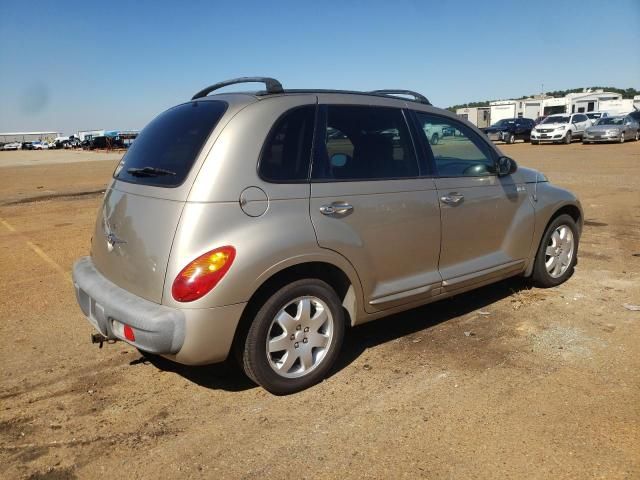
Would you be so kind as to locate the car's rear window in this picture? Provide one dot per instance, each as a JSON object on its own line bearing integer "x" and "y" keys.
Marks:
{"x": 164, "y": 152}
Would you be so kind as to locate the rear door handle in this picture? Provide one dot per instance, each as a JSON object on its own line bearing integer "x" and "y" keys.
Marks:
{"x": 453, "y": 198}
{"x": 336, "y": 208}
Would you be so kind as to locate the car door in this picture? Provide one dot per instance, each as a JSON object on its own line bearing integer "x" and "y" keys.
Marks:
{"x": 486, "y": 220}
{"x": 580, "y": 122}
{"x": 370, "y": 203}
{"x": 519, "y": 129}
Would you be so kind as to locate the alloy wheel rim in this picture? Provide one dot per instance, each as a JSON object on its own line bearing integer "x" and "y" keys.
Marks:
{"x": 299, "y": 337}
{"x": 559, "y": 251}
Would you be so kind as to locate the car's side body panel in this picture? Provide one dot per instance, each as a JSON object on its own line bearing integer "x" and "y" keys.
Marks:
{"x": 497, "y": 215}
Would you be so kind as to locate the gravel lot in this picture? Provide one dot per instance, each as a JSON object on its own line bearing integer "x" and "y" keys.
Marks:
{"x": 503, "y": 382}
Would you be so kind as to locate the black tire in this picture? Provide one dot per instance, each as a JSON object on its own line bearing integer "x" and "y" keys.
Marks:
{"x": 534, "y": 142}
{"x": 434, "y": 139}
{"x": 511, "y": 139}
{"x": 540, "y": 276}
{"x": 567, "y": 138}
{"x": 255, "y": 359}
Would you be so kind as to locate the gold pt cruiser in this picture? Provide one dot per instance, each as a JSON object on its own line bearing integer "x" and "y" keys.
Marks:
{"x": 264, "y": 224}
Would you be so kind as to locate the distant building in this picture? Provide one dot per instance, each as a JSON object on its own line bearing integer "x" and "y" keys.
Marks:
{"x": 616, "y": 107}
{"x": 478, "y": 116}
{"x": 541, "y": 105}
{"x": 127, "y": 136}
{"x": 83, "y": 134}
{"x": 28, "y": 137}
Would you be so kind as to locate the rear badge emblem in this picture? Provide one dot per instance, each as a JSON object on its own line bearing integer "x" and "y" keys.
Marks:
{"x": 112, "y": 241}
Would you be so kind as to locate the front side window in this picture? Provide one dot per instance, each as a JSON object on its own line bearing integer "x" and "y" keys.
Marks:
{"x": 287, "y": 151}
{"x": 364, "y": 143}
{"x": 461, "y": 155}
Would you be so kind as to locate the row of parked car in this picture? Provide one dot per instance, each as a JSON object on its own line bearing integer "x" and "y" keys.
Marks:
{"x": 589, "y": 127}
{"x": 100, "y": 142}
{"x": 60, "y": 142}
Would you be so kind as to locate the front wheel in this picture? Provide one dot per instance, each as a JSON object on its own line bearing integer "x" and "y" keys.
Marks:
{"x": 295, "y": 338}
{"x": 511, "y": 139}
{"x": 567, "y": 138}
{"x": 434, "y": 139}
{"x": 622, "y": 137}
{"x": 534, "y": 142}
{"x": 557, "y": 253}
{"x": 637, "y": 137}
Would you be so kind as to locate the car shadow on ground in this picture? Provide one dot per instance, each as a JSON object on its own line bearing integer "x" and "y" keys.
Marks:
{"x": 228, "y": 376}
{"x": 393, "y": 327}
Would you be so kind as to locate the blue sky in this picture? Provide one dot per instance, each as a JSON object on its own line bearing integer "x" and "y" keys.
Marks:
{"x": 81, "y": 65}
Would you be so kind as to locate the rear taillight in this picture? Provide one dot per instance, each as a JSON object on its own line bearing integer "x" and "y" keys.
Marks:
{"x": 201, "y": 275}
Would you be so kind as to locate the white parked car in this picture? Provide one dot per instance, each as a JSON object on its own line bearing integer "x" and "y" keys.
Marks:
{"x": 433, "y": 132}
{"x": 12, "y": 146}
{"x": 40, "y": 145}
{"x": 560, "y": 128}
{"x": 595, "y": 116}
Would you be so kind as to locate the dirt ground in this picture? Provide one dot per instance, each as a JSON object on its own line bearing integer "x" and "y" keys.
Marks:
{"x": 503, "y": 382}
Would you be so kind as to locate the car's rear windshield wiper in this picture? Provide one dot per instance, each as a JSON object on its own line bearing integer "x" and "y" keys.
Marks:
{"x": 149, "y": 172}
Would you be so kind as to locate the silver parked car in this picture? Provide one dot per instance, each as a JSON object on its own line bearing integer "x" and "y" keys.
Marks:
{"x": 613, "y": 129}
{"x": 266, "y": 223}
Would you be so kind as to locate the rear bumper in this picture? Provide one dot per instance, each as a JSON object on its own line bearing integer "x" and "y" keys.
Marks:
{"x": 158, "y": 329}
{"x": 193, "y": 336}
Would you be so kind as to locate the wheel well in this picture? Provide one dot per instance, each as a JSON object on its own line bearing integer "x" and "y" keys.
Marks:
{"x": 572, "y": 211}
{"x": 327, "y": 272}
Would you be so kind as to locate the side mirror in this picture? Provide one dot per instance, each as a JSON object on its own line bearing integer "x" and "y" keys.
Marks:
{"x": 506, "y": 166}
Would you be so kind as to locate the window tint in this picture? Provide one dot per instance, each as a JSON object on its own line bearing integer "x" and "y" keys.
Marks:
{"x": 287, "y": 151}
{"x": 362, "y": 143}
{"x": 462, "y": 155}
{"x": 164, "y": 152}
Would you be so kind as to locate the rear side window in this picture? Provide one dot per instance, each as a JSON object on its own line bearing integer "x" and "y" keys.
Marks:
{"x": 364, "y": 143}
{"x": 287, "y": 152}
{"x": 164, "y": 152}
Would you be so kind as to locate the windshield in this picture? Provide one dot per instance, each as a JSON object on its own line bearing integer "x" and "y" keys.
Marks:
{"x": 611, "y": 121}
{"x": 504, "y": 122}
{"x": 164, "y": 152}
{"x": 556, "y": 120}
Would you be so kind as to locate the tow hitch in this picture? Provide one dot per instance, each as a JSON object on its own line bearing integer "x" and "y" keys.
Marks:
{"x": 100, "y": 339}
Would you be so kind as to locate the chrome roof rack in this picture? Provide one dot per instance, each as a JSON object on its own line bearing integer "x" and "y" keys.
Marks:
{"x": 273, "y": 85}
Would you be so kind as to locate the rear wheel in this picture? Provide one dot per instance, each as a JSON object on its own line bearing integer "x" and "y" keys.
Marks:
{"x": 637, "y": 137}
{"x": 534, "y": 142}
{"x": 567, "y": 138}
{"x": 295, "y": 338}
{"x": 434, "y": 139}
{"x": 557, "y": 253}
